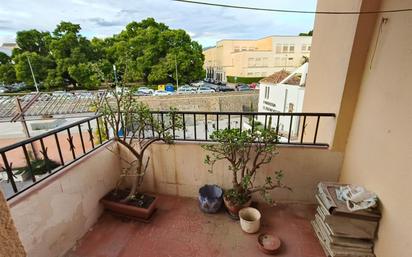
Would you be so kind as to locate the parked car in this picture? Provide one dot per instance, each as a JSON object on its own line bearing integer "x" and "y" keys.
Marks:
{"x": 224, "y": 88}
{"x": 3, "y": 90}
{"x": 186, "y": 90}
{"x": 197, "y": 83}
{"x": 162, "y": 93}
{"x": 145, "y": 91}
{"x": 243, "y": 87}
{"x": 203, "y": 90}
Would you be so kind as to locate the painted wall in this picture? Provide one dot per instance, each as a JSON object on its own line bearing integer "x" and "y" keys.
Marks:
{"x": 64, "y": 207}
{"x": 339, "y": 48}
{"x": 179, "y": 170}
{"x": 231, "y": 57}
{"x": 379, "y": 149}
{"x": 10, "y": 244}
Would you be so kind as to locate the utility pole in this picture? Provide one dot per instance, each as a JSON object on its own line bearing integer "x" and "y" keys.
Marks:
{"x": 177, "y": 76}
{"x": 25, "y": 128}
{"x": 32, "y": 73}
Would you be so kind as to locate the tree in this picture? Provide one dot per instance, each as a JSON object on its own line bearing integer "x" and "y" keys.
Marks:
{"x": 32, "y": 41}
{"x": 86, "y": 74}
{"x": 306, "y": 34}
{"x": 40, "y": 64}
{"x": 150, "y": 51}
{"x": 7, "y": 74}
{"x": 133, "y": 118}
{"x": 246, "y": 151}
{"x": 4, "y": 58}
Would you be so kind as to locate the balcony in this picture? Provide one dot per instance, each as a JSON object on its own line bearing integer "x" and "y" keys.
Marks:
{"x": 57, "y": 212}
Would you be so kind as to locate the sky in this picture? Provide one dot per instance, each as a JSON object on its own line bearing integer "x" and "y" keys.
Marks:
{"x": 205, "y": 24}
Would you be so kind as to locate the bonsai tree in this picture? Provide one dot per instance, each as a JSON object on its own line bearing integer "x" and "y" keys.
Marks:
{"x": 246, "y": 151}
{"x": 135, "y": 129}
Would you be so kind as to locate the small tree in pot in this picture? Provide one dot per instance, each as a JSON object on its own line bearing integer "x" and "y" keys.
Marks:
{"x": 246, "y": 151}
{"x": 134, "y": 129}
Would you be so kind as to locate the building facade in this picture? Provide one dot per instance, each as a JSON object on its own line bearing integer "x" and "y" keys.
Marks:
{"x": 235, "y": 59}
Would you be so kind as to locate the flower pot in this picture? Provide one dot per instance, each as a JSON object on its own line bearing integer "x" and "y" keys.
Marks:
{"x": 233, "y": 208}
{"x": 249, "y": 220}
{"x": 210, "y": 198}
{"x": 141, "y": 208}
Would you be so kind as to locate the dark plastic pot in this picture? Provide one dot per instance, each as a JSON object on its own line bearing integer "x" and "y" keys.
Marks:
{"x": 210, "y": 198}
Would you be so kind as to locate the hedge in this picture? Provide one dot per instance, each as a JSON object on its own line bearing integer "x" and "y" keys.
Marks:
{"x": 246, "y": 80}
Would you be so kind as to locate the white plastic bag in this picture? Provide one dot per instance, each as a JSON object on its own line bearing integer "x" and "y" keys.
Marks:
{"x": 357, "y": 197}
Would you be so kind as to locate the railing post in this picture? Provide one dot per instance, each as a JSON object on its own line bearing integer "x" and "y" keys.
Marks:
{"x": 316, "y": 130}
{"x": 303, "y": 129}
{"x": 9, "y": 172}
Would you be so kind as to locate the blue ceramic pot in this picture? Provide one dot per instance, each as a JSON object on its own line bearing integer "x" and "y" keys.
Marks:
{"x": 210, "y": 198}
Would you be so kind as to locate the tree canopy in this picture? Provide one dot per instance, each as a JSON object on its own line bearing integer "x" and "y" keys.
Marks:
{"x": 145, "y": 51}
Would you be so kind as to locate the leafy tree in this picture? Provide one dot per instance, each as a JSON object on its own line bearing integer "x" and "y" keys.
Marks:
{"x": 4, "y": 58}
{"x": 7, "y": 74}
{"x": 86, "y": 74}
{"x": 310, "y": 33}
{"x": 40, "y": 64}
{"x": 32, "y": 41}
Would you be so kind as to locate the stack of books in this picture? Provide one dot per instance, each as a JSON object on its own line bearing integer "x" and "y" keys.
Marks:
{"x": 341, "y": 232}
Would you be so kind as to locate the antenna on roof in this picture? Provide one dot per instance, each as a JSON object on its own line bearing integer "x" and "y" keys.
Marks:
{"x": 34, "y": 78}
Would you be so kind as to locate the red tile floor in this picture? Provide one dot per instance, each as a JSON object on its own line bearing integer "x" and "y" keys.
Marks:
{"x": 180, "y": 229}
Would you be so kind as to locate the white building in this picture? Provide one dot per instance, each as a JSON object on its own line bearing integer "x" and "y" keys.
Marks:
{"x": 282, "y": 97}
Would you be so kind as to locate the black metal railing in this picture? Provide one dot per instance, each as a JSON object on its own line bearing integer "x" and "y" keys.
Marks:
{"x": 293, "y": 128}
{"x": 28, "y": 162}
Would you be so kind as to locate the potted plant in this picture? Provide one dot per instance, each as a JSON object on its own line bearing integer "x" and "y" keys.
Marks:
{"x": 134, "y": 129}
{"x": 246, "y": 151}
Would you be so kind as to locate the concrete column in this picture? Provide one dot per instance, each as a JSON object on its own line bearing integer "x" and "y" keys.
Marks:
{"x": 10, "y": 244}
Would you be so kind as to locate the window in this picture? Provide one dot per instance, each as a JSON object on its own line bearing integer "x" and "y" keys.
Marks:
{"x": 278, "y": 48}
{"x": 251, "y": 48}
{"x": 250, "y": 73}
{"x": 244, "y": 48}
{"x": 285, "y": 49}
{"x": 291, "y": 48}
{"x": 267, "y": 92}
{"x": 308, "y": 47}
{"x": 236, "y": 49}
{"x": 303, "y": 48}
{"x": 291, "y": 107}
{"x": 265, "y": 62}
{"x": 251, "y": 62}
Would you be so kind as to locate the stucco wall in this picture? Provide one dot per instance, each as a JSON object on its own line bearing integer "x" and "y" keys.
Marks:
{"x": 179, "y": 170}
{"x": 225, "y": 102}
{"x": 10, "y": 245}
{"x": 52, "y": 216}
{"x": 379, "y": 150}
{"x": 339, "y": 48}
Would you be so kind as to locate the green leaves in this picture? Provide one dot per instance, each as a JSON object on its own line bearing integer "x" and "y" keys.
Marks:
{"x": 246, "y": 151}
{"x": 145, "y": 51}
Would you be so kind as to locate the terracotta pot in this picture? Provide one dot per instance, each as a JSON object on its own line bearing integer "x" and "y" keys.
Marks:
{"x": 234, "y": 209}
{"x": 250, "y": 220}
{"x": 128, "y": 209}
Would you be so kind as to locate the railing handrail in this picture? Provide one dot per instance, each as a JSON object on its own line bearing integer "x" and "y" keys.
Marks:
{"x": 48, "y": 133}
{"x": 309, "y": 114}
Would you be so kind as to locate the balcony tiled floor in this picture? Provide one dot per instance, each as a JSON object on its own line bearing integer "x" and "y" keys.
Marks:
{"x": 180, "y": 229}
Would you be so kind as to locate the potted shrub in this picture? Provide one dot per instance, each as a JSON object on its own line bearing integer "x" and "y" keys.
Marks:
{"x": 246, "y": 151}
{"x": 134, "y": 129}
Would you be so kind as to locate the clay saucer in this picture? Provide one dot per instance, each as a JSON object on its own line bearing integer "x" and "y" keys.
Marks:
{"x": 269, "y": 243}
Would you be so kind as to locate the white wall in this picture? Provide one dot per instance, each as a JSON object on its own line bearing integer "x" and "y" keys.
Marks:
{"x": 54, "y": 214}
{"x": 281, "y": 95}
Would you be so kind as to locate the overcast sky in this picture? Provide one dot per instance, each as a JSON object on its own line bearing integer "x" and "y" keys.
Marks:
{"x": 206, "y": 24}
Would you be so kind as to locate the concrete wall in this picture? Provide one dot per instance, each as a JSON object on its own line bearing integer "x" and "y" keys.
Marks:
{"x": 10, "y": 244}
{"x": 339, "y": 48}
{"x": 229, "y": 101}
{"x": 379, "y": 150}
{"x": 54, "y": 214}
{"x": 179, "y": 170}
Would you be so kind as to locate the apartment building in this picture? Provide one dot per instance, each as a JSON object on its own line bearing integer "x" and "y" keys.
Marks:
{"x": 232, "y": 60}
